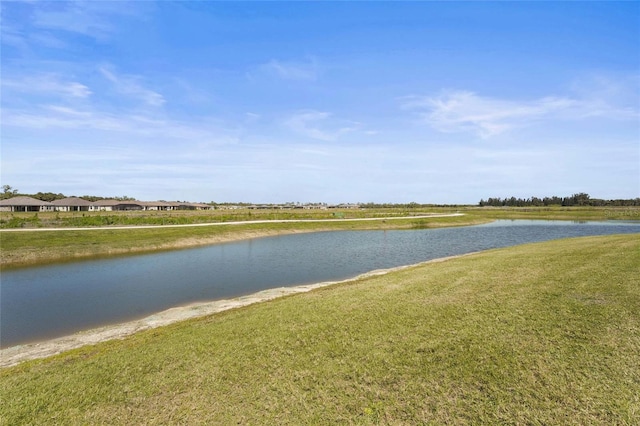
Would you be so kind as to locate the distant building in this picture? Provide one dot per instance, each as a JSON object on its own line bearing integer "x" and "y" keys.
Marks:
{"x": 76, "y": 204}
{"x": 157, "y": 205}
{"x": 25, "y": 204}
{"x": 72, "y": 204}
{"x": 202, "y": 206}
{"x": 113, "y": 205}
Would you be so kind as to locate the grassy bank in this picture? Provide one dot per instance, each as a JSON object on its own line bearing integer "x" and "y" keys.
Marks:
{"x": 24, "y": 248}
{"x": 555, "y": 213}
{"x": 538, "y": 334}
{"x": 28, "y": 248}
{"x": 10, "y": 220}
{"x": 181, "y": 217}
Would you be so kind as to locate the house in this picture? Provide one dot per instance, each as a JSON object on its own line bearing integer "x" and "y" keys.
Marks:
{"x": 345, "y": 206}
{"x": 156, "y": 205}
{"x": 111, "y": 205}
{"x": 202, "y": 206}
{"x": 130, "y": 205}
{"x": 76, "y": 204}
{"x": 72, "y": 204}
{"x": 25, "y": 204}
{"x": 181, "y": 205}
{"x": 103, "y": 205}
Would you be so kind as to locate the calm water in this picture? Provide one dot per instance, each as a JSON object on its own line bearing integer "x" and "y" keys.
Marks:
{"x": 52, "y": 301}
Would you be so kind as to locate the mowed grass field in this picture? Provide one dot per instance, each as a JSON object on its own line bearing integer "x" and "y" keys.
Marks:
{"x": 545, "y": 333}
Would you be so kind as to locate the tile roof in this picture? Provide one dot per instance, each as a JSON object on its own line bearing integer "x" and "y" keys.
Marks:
{"x": 71, "y": 201}
{"x": 24, "y": 201}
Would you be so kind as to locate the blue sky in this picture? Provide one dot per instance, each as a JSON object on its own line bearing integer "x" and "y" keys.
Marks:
{"x": 430, "y": 102}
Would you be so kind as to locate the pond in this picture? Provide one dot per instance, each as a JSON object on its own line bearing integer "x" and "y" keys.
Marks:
{"x": 51, "y": 301}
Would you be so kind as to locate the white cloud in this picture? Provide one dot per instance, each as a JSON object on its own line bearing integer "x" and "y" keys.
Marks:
{"x": 73, "y": 19}
{"x": 251, "y": 117}
{"x": 464, "y": 111}
{"x": 319, "y": 125}
{"x": 67, "y": 111}
{"x": 292, "y": 70}
{"x": 46, "y": 39}
{"x": 49, "y": 24}
{"x": 48, "y": 84}
{"x": 191, "y": 94}
{"x": 130, "y": 86}
{"x": 306, "y": 123}
{"x": 60, "y": 117}
{"x": 53, "y": 117}
{"x": 11, "y": 35}
{"x": 615, "y": 89}
{"x": 90, "y": 18}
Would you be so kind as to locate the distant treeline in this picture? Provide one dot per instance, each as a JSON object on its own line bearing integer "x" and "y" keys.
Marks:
{"x": 580, "y": 199}
{"x": 412, "y": 205}
{"x": 51, "y": 196}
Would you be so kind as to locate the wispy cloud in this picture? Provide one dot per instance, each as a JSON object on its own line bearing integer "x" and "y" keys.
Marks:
{"x": 50, "y": 24}
{"x": 464, "y": 111}
{"x": 307, "y": 70}
{"x": 61, "y": 117}
{"x": 90, "y": 18}
{"x": 47, "y": 84}
{"x": 319, "y": 125}
{"x": 75, "y": 17}
{"x": 460, "y": 111}
{"x": 131, "y": 86}
{"x": 55, "y": 117}
{"x": 251, "y": 117}
{"x": 11, "y": 35}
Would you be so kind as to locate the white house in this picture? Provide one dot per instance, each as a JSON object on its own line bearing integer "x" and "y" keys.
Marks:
{"x": 25, "y": 204}
{"x": 111, "y": 205}
{"x": 72, "y": 204}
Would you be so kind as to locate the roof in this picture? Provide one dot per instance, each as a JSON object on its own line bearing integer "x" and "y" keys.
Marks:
{"x": 71, "y": 201}
{"x": 106, "y": 203}
{"x": 24, "y": 201}
{"x": 156, "y": 203}
{"x": 117, "y": 202}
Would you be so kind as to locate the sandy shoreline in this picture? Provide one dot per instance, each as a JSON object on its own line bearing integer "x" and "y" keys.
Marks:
{"x": 16, "y": 354}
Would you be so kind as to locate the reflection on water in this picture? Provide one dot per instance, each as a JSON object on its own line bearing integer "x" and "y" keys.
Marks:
{"x": 51, "y": 301}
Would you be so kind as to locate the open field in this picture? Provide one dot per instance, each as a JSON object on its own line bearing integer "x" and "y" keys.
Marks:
{"x": 179, "y": 217}
{"x": 545, "y": 333}
{"x": 27, "y": 248}
{"x": 556, "y": 213}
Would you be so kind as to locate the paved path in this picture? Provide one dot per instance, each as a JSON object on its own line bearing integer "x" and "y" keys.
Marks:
{"x": 246, "y": 222}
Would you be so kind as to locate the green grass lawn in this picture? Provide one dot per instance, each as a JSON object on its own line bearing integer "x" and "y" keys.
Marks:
{"x": 545, "y": 333}
{"x": 181, "y": 217}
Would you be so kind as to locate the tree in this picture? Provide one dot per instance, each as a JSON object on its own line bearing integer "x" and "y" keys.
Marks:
{"x": 48, "y": 196}
{"x": 8, "y": 192}
{"x": 582, "y": 199}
